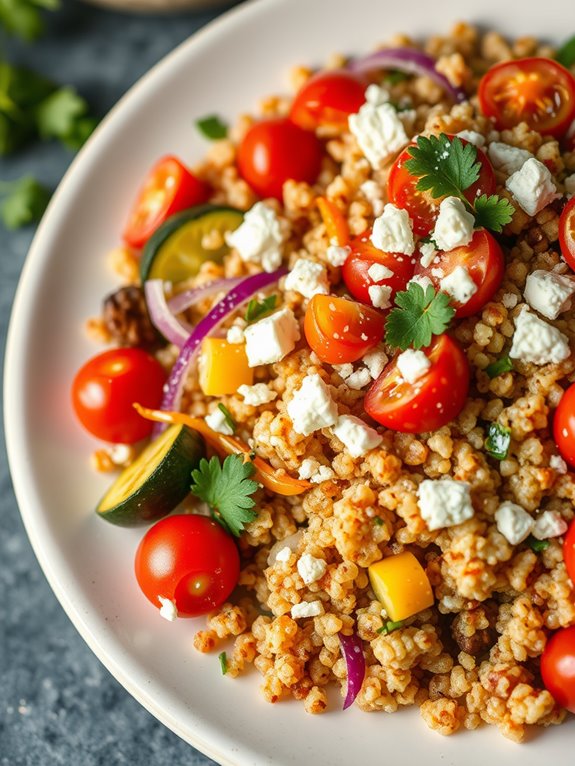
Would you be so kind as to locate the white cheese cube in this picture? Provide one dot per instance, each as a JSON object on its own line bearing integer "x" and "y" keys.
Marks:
{"x": 216, "y": 420}
{"x": 312, "y": 407}
{"x": 570, "y": 185}
{"x": 272, "y": 338}
{"x": 514, "y": 523}
{"x": 343, "y": 370}
{"x": 473, "y": 137}
{"x": 549, "y": 524}
{"x": 427, "y": 253}
{"x": 310, "y": 568}
{"x": 337, "y": 256}
{"x": 306, "y": 609}
{"x": 284, "y": 554}
{"x": 444, "y": 503}
{"x": 412, "y": 365}
{"x": 557, "y": 463}
{"x": 260, "y": 393}
{"x": 312, "y": 469}
{"x": 359, "y": 379}
{"x": 235, "y": 335}
{"x": 357, "y": 437}
{"x": 454, "y": 225}
{"x": 307, "y": 278}
{"x": 380, "y": 296}
{"x": 548, "y": 293}
{"x": 259, "y": 238}
{"x": 536, "y": 341}
{"x": 508, "y": 159}
{"x": 373, "y": 194}
{"x": 459, "y": 285}
{"x": 532, "y": 186}
{"x": 392, "y": 231}
{"x": 377, "y": 272}
{"x": 375, "y": 361}
{"x": 420, "y": 279}
{"x": 168, "y": 610}
{"x": 378, "y": 129}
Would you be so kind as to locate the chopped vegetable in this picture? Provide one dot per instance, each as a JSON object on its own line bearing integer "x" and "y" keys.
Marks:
{"x": 566, "y": 53}
{"x": 390, "y": 626}
{"x": 418, "y": 316}
{"x": 352, "y": 651}
{"x": 173, "y": 330}
{"x": 334, "y": 221}
{"x": 537, "y": 545}
{"x": 185, "y": 300}
{"x": 212, "y": 127}
{"x": 223, "y": 367}
{"x": 227, "y": 416}
{"x": 498, "y": 441}
{"x": 223, "y": 658}
{"x": 401, "y": 585}
{"x": 499, "y": 367}
{"x": 23, "y": 201}
{"x": 258, "y": 309}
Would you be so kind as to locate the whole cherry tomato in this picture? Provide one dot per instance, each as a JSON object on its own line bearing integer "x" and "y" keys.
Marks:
{"x": 190, "y": 561}
{"x": 569, "y": 552}
{"x": 564, "y": 426}
{"x": 340, "y": 330}
{"x": 328, "y": 98}
{"x": 485, "y": 264}
{"x": 567, "y": 233}
{"x": 276, "y": 150}
{"x": 106, "y": 387}
{"x": 538, "y": 91}
{"x": 558, "y": 667}
{"x": 169, "y": 187}
{"x": 432, "y": 401}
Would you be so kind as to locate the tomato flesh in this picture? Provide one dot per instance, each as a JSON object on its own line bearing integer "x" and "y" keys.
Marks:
{"x": 341, "y": 331}
{"x": 558, "y": 667}
{"x": 361, "y": 259}
{"x": 422, "y": 208}
{"x": 328, "y": 98}
{"x": 429, "y": 403}
{"x": 569, "y": 552}
{"x": 567, "y": 233}
{"x": 106, "y": 387}
{"x": 538, "y": 91}
{"x": 169, "y": 187}
{"x": 276, "y": 150}
{"x": 189, "y": 560}
{"x": 564, "y": 426}
{"x": 485, "y": 264}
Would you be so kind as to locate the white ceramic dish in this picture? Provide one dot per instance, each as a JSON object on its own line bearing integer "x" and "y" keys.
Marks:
{"x": 225, "y": 68}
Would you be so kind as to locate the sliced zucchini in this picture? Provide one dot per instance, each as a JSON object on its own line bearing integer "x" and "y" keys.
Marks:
{"x": 156, "y": 482}
{"x": 174, "y": 252}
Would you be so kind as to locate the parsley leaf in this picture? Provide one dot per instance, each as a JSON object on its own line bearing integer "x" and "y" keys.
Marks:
{"x": 566, "y": 53}
{"x": 258, "y": 309}
{"x": 493, "y": 212}
{"x": 445, "y": 166}
{"x": 418, "y": 316}
{"x": 227, "y": 416}
{"x": 23, "y": 17}
{"x": 24, "y": 201}
{"x": 223, "y": 658}
{"x": 537, "y": 545}
{"x": 499, "y": 367}
{"x": 57, "y": 115}
{"x": 212, "y": 127}
{"x": 227, "y": 489}
{"x": 395, "y": 76}
{"x": 498, "y": 441}
{"x": 390, "y": 626}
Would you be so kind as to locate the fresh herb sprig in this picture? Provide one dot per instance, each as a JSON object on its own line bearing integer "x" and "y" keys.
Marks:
{"x": 23, "y": 201}
{"x": 498, "y": 441}
{"x": 23, "y": 18}
{"x": 212, "y": 127}
{"x": 258, "y": 309}
{"x": 498, "y": 367}
{"x": 418, "y": 315}
{"x": 566, "y": 53}
{"x": 538, "y": 546}
{"x": 390, "y": 626}
{"x": 227, "y": 417}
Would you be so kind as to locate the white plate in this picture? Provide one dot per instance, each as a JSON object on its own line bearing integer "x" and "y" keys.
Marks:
{"x": 226, "y": 68}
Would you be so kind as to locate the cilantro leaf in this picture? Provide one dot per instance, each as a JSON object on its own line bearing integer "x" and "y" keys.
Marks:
{"x": 418, "y": 316}
{"x": 493, "y": 212}
{"x": 227, "y": 489}
{"x": 445, "y": 166}
{"x": 537, "y": 545}
{"x": 497, "y": 441}
{"x": 566, "y": 53}
{"x": 258, "y": 309}
{"x": 227, "y": 416}
{"x": 58, "y": 114}
{"x": 24, "y": 201}
{"x": 212, "y": 127}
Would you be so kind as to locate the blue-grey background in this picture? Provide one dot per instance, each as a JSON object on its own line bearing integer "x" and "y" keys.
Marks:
{"x": 58, "y": 704}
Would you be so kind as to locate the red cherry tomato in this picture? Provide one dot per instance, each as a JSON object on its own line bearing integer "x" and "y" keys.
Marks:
{"x": 567, "y": 233}
{"x": 569, "y": 552}
{"x": 538, "y": 91}
{"x": 169, "y": 187}
{"x": 361, "y": 259}
{"x": 485, "y": 263}
{"x": 106, "y": 387}
{"x": 564, "y": 426}
{"x": 341, "y": 331}
{"x": 189, "y": 560}
{"x": 421, "y": 206}
{"x": 328, "y": 98}
{"x": 429, "y": 403}
{"x": 558, "y": 667}
{"x": 274, "y": 151}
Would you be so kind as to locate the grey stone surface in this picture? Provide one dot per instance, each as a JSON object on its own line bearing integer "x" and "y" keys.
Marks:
{"x": 58, "y": 704}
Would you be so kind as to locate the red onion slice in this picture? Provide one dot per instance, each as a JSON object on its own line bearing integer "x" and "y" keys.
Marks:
{"x": 352, "y": 650}
{"x": 172, "y": 329}
{"x": 411, "y": 61}
{"x": 187, "y": 299}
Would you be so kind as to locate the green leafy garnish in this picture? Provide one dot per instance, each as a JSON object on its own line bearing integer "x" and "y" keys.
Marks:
{"x": 258, "y": 309}
{"x": 23, "y": 18}
{"x": 63, "y": 115}
{"x": 493, "y": 212}
{"x": 390, "y": 626}
{"x": 223, "y": 658}
{"x": 499, "y": 367}
{"x": 23, "y": 201}
{"x": 418, "y": 315}
{"x": 395, "y": 76}
{"x": 227, "y": 416}
{"x": 497, "y": 441}
{"x": 227, "y": 489}
{"x": 212, "y": 127}
{"x": 537, "y": 545}
{"x": 566, "y": 53}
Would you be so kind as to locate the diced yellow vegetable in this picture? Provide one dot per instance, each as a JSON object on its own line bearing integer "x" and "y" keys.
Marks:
{"x": 402, "y": 586}
{"x": 223, "y": 367}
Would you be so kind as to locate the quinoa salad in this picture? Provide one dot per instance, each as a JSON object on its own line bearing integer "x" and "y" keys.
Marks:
{"x": 338, "y": 391}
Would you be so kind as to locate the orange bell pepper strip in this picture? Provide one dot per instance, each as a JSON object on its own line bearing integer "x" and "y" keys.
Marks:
{"x": 334, "y": 221}
{"x": 282, "y": 484}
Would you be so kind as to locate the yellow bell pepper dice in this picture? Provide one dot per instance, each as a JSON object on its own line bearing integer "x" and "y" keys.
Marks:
{"x": 402, "y": 586}
{"x": 223, "y": 367}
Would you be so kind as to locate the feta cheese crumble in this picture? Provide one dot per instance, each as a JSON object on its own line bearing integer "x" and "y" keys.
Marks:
{"x": 260, "y": 393}
{"x": 272, "y": 338}
{"x": 312, "y": 407}
{"x": 216, "y": 420}
{"x": 454, "y": 225}
{"x": 372, "y": 192}
{"x": 549, "y": 524}
{"x": 357, "y": 437}
{"x": 557, "y": 463}
{"x": 444, "y": 503}
{"x": 514, "y": 523}
{"x": 235, "y": 335}
{"x": 377, "y": 127}
{"x": 284, "y": 554}
{"x": 312, "y": 470}
{"x": 359, "y": 379}
{"x": 532, "y": 186}
{"x": 392, "y": 231}
{"x": 459, "y": 285}
{"x": 423, "y": 281}
{"x": 336, "y": 255}
{"x": 508, "y": 159}
{"x": 377, "y": 272}
{"x": 306, "y": 609}
{"x": 375, "y": 361}
{"x": 259, "y": 238}
{"x": 427, "y": 253}
{"x": 310, "y": 568}
{"x": 412, "y": 365}
{"x": 473, "y": 137}
{"x": 536, "y": 341}
{"x": 307, "y": 278}
{"x": 380, "y": 296}
{"x": 168, "y": 609}
{"x": 548, "y": 293}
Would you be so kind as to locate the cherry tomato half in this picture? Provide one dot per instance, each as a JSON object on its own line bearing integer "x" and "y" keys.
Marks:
{"x": 429, "y": 403}
{"x": 558, "y": 667}
{"x": 189, "y": 560}
{"x": 328, "y": 98}
{"x": 422, "y": 208}
{"x": 485, "y": 264}
{"x": 567, "y": 233}
{"x": 564, "y": 426}
{"x": 537, "y": 91}
{"x": 169, "y": 187}
{"x": 106, "y": 387}
{"x": 274, "y": 151}
{"x": 341, "y": 331}
{"x": 569, "y": 551}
